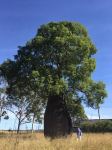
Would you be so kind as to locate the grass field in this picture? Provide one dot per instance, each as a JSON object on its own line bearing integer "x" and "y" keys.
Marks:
{"x": 12, "y": 141}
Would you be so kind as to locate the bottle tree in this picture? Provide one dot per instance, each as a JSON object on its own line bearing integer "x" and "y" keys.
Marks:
{"x": 56, "y": 63}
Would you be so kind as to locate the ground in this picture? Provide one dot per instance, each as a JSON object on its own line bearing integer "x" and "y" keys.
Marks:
{"x": 36, "y": 141}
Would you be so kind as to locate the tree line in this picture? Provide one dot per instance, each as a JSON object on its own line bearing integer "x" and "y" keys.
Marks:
{"x": 101, "y": 126}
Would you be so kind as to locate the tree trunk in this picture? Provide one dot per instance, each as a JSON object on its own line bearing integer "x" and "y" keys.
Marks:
{"x": 57, "y": 121}
{"x": 99, "y": 113}
{"x": 18, "y": 129}
{"x": 33, "y": 123}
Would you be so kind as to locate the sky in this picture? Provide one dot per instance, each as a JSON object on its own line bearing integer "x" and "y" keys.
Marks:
{"x": 19, "y": 21}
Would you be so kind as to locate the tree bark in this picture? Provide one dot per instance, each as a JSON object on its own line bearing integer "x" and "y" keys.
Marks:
{"x": 57, "y": 121}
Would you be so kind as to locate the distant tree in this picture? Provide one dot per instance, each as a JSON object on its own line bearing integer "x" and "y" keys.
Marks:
{"x": 57, "y": 61}
{"x": 18, "y": 107}
{"x": 96, "y": 94}
{"x": 35, "y": 109}
{"x": 26, "y": 109}
{"x": 22, "y": 102}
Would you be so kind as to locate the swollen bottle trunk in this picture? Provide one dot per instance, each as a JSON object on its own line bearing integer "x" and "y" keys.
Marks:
{"x": 57, "y": 121}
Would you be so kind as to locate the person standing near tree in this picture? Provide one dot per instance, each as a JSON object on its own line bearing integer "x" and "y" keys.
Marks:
{"x": 79, "y": 134}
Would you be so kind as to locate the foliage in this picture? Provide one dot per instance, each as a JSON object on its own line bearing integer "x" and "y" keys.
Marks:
{"x": 58, "y": 57}
{"x": 75, "y": 108}
{"x": 58, "y": 60}
{"x": 97, "y": 126}
{"x": 3, "y": 104}
{"x": 95, "y": 94}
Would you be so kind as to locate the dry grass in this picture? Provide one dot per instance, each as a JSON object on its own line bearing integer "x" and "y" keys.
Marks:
{"x": 38, "y": 142}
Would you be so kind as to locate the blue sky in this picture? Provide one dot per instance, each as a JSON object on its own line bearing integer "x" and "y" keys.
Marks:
{"x": 19, "y": 21}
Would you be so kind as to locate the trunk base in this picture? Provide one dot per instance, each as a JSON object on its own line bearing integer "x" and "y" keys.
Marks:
{"x": 57, "y": 121}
